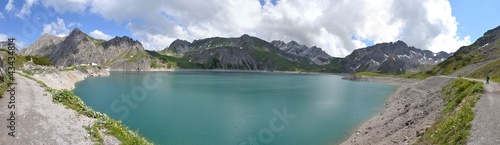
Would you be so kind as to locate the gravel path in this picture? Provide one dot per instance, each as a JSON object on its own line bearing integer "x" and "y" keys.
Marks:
{"x": 40, "y": 121}
{"x": 486, "y": 125}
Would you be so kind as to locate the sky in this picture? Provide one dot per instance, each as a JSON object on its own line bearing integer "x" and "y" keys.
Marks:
{"x": 337, "y": 26}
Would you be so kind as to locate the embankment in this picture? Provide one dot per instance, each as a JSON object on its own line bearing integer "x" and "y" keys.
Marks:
{"x": 67, "y": 79}
{"x": 415, "y": 106}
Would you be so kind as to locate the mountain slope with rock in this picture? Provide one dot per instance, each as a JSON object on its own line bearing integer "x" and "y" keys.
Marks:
{"x": 477, "y": 60}
{"x": 247, "y": 53}
{"x": 79, "y": 48}
{"x": 314, "y": 54}
{"x": 391, "y": 58}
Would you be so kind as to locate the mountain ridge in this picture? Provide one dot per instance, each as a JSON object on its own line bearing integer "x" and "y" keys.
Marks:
{"x": 78, "y": 48}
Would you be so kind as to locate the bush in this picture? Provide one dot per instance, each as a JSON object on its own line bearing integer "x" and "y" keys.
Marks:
{"x": 39, "y": 60}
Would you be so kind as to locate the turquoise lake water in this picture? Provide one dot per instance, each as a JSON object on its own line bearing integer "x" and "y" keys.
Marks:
{"x": 218, "y": 108}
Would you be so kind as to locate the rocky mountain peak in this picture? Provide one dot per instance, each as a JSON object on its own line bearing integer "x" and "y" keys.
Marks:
{"x": 314, "y": 54}
{"x": 400, "y": 43}
{"x": 76, "y": 32}
{"x": 394, "y": 58}
{"x": 293, "y": 42}
{"x": 493, "y": 31}
{"x": 246, "y": 38}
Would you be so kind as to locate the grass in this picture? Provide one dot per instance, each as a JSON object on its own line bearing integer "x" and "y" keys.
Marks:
{"x": 39, "y": 60}
{"x": 453, "y": 126}
{"x": 5, "y": 84}
{"x": 372, "y": 74}
{"x": 491, "y": 69}
{"x": 113, "y": 127}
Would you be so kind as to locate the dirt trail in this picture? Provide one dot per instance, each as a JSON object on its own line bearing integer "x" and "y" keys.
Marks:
{"x": 486, "y": 125}
{"x": 40, "y": 121}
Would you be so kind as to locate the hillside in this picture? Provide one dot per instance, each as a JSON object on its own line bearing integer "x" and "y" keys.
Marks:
{"x": 391, "y": 58}
{"x": 314, "y": 54}
{"x": 79, "y": 48}
{"x": 241, "y": 53}
{"x": 477, "y": 60}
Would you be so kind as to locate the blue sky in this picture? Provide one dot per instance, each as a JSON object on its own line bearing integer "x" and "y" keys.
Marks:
{"x": 336, "y": 27}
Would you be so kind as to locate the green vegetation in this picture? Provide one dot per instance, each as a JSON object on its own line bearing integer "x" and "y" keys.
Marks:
{"x": 111, "y": 126}
{"x": 97, "y": 42}
{"x": 457, "y": 62}
{"x": 453, "y": 126}
{"x": 5, "y": 84}
{"x": 372, "y": 74}
{"x": 39, "y": 60}
{"x": 492, "y": 69}
{"x": 418, "y": 75}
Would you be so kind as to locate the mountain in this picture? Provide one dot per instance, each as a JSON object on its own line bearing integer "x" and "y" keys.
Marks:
{"x": 314, "y": 54}
{"x": 245, "y": 53}
{"x": 476, "y": 60}
{"x": 390, "y": 58}
{"x": 79, "y": 48}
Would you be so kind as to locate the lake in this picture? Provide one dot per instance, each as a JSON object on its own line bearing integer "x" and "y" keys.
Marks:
{"x": 218, "y": 108}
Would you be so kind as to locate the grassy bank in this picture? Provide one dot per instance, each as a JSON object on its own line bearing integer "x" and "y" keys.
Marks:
{"x": 103, "y": 122}
{"x": 418, "y": 75}
{"x": 453, "y": 126}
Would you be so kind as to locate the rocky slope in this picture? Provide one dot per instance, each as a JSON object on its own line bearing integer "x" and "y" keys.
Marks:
{"x": 78, "y": 48}
{"x": 390, "y": 58}
{"x": 476, "y": 60}
{"x": 408, "y": 113}
{"x": 314, "y": 54}
{"x": 245, "y": 53}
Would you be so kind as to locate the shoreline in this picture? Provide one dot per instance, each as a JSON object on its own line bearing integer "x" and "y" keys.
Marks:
{"x": 231, "y": 70}
{"x": 409, "y": 111}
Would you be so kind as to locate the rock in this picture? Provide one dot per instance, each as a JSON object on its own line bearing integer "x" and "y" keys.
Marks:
{"x": 79, "y": 48}
{"x": 392, "y": 58}
{"x": 314, "y": 54}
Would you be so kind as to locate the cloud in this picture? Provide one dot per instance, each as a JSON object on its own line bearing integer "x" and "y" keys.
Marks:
{"x": 26, "y": 9}
{"x": 19, "y": 44}
{"x": 331, "y": 25}
{"x": 75, "y": 24}
{"x": 3, "y": 37}
{"x": 1, "y": 15}
{"x": 100, "y": 35}
{"x": 62, "y": 6}
{"x": 10, "y": 6}
{"x": 57, "y": 28}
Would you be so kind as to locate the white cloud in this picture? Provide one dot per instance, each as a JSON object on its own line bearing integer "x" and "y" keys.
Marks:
{"x": 100, "y": 35}
{"x": 26, "y": 10}
{"x": 62, "y": 6}
{"x": 75, "y": 24}
{"x": 1, "y": 15}
{"x": 3, "y": 37}
{"x": 331, "y": 25}
{"x": 56, "y": 28}
{"x": 10, "y": 6}
{"x": 19, "y": 44}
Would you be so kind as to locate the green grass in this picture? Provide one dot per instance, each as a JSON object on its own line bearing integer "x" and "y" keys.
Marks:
{"x": 5, "y": 84}
{"x": 112, "y": 127}
{"x": 491, "y": 69}
{"x": 453, "y": 126}
{"x": 372, "y": 74}
{"x": 39, "y": 60}
{"x": 418, "y": 75}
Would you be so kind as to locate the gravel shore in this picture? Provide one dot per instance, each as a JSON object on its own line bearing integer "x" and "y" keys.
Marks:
{"x": 415, "y": 106}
